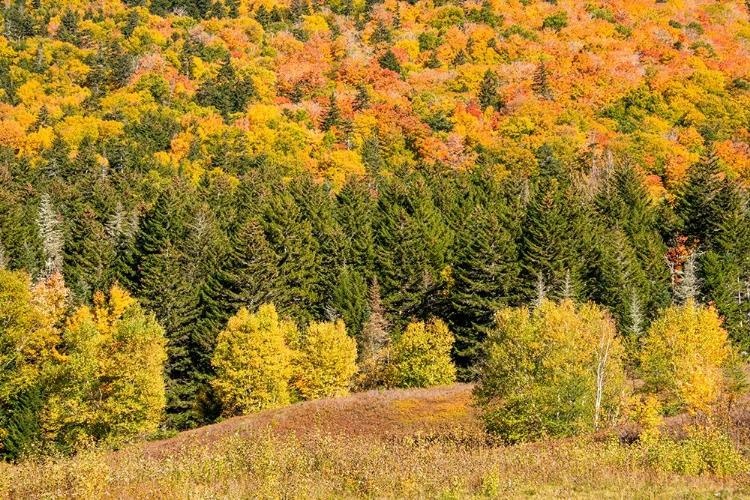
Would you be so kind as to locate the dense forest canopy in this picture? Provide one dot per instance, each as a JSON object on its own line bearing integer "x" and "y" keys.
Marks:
{"x": 384, "y": 163}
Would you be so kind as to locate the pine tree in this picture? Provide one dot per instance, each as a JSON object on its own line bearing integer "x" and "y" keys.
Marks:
{"x": 299, "y": 292}
{"x": 349, "y": 299}
{"x": 333, "y": 115}
{"x": 548, "y": 242}
{"x": 362, "y": 99}
{"x": 489, "y": 91}
{"x": 389, "y": 61}
{"x": 163, "y": 289}
{"x": 688, "y": 286}
{"x": 354, "y": 213}
{"x": 250, "y": 274}
{"x": 485, "y": 274}
{"x": 699, "y": 205}
{"x": 374, "y": 343}
{"x": 540, "y": 83}
{"x": 412, "y": 242}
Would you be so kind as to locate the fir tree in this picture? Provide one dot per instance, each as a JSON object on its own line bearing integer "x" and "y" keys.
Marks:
{"x": 485, "y": 275}
{"x": 489, "y": 91}
{"x": 412, "y": 242}
{"x": 362, "y": 99}
{"x": 540, "y": 83}
{"x": 333, "y": 115}
{"x": 389, "y": 61}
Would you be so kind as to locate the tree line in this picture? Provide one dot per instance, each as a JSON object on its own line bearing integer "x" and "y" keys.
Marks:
{"x": 381, "y": 254}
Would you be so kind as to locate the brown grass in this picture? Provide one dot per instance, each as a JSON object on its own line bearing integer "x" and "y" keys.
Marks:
{"x": 390, "y": 444}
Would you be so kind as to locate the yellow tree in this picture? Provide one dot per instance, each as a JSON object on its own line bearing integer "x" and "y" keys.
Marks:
{"x": 253, "y": 361}
{"x": 327, "y": 361}
{"x": 110, "y": 383}
{"x": 683, "y": 357}
{"x": 421, "y": 356}
{"x": 27, "y": 334}
{"x": 556, "y": 371}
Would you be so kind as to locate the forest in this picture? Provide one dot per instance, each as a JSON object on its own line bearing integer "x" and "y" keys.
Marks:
{"x": 212, "y": 208}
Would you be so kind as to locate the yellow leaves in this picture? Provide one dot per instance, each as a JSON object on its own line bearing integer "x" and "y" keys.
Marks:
{"x": 73, "y": 129}
{"x": 11, "y": 134}
{"x": 253, "y": 362}
{"x": 420, "y": 357}
{"x": 683, "y": 355}
{"x": 315, "y": 23}
{"x": 327, "y": 361}
{"x": 555, "y": 371}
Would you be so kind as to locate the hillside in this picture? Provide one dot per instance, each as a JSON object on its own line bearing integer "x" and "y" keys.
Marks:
{"x": 390, "y": 415}
{"x": 388, "y": 444}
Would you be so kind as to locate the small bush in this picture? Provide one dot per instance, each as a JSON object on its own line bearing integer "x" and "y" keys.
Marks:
{"x": 704, "y": 451}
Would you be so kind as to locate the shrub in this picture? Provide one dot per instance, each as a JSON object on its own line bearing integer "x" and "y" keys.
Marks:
{"x": 553, "y": 372}
{"x": 421, "y": 356}
{"x": 253, "y": 361}
{"x": 683, "y": 357}
{"x": 327, "y": 361}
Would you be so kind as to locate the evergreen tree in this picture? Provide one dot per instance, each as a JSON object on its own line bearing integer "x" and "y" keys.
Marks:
{"x": 374, "y": 343}
{"x": 540, "y": 83}
{"x": 412, "y": 241}
{"x": 68, "y": 30}
{"x": 333, "y": 115}
{"x": 389, "y": 61}
{"x": 48, "y": 222}
{"x": 489, "y": 91}
{"x": 362, "y": 99}
{"x": 699, "y": 205}
{"x": 349, "y": 299}
{"x": 163, "y": 289}
{"x": 485, "y": 274}
{"x": 291, "y": 237}
{"x": 250, "y": 274}
{"x": 548, "y": 242}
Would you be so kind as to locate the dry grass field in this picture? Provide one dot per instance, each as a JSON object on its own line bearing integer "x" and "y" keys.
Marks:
{"x": 383, "y": 444}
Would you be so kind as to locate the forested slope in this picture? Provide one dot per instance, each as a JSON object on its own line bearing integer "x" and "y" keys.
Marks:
{"x": 445, "y": 159}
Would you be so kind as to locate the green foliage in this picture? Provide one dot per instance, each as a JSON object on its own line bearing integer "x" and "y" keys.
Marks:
{"x": 556, "y": 21}
{"x": 420, "y": 356}
{"x": 554, "y": 372}
{"x": 389, "y": 61}
{"x": 703, "y": 451}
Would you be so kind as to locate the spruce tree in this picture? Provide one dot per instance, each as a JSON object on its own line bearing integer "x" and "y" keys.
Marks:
{"x": 548, "y": 242}
{"x": 389, "y": 61}
{"x": 485, "y": 274}
{"x": 412, "y": 242}
{"x": 250, "y": 273}
{"x": 489, "y": 91}
{"x": 333, "y": 115}
{"x": 163, "y": 289}
{"x": 290, "y": 235}
{"x": 540, "y": 82}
